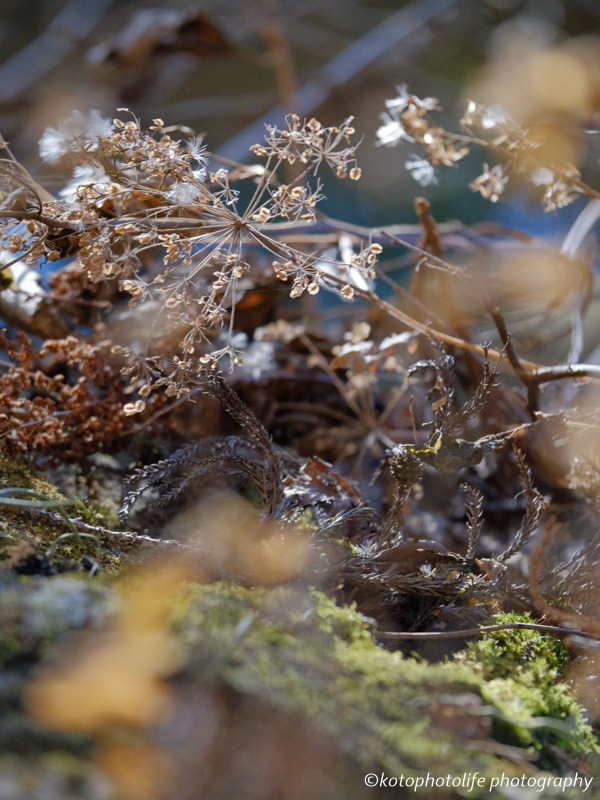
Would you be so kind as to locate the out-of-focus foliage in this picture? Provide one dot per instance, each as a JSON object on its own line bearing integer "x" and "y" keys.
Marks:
{"x": 177, "y": 684}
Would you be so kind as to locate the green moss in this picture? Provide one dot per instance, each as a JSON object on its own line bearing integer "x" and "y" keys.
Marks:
{"x": 530, "y": 656}
{"x": 293, "y": 653}
{"x": 342, "y": 623}
{"x": 23, "y": 533}
{"x": 521, "y": 672}
{"x": 300, "y": 652}
{"x": 102, "y": 516}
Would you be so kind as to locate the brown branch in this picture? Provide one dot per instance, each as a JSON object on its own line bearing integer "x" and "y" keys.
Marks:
{"x": 532, "y": 386}
{"x": 557, "y": 373}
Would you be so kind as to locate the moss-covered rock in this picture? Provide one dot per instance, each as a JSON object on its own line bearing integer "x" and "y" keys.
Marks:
{"x": 27, "y": 535}
{"x": 281, "y": 687}
{"x": 303, "y": 653}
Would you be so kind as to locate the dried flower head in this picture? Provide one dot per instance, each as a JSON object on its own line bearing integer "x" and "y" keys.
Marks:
{"x": 407, "y": 119}
{"x": 490, "y": 184}
{"x": 143, "y": 213}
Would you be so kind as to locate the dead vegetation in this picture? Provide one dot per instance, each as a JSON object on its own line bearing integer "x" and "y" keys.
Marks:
{"x": 405, "y": 417}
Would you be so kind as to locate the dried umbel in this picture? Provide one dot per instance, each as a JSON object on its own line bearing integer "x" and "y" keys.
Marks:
{"x": 148, "y": 214}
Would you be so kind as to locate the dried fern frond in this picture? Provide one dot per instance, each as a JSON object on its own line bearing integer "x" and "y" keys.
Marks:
{"x": 271, "y": 482}
{"x": 474, "y": 509}
{"x": 533, "y": 511}
{"x": 230, "y": 456}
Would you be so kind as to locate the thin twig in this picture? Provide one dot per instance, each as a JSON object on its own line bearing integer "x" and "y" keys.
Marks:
{"x": 532, "y": 386}
{"x": 508, "y": 626}
{"x": 125, "y": 538}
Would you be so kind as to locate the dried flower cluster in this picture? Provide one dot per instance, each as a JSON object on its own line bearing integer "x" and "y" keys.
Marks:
{"x": 407, "y": 118}
{"x": 64, "y": 400}
{"x": 144, "y": 214}
{"x": 170, "y": 259}
{"x": 518, "y": 149}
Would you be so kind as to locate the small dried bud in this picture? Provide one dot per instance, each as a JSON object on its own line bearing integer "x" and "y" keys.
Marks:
{"x": 129, "y": 409}
{"x": 262, "y": 215}
{"x": 132, "y": 288}
{"x": 110, "y": 268}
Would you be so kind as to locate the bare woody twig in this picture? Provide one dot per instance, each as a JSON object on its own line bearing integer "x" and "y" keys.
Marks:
{"x": 508, "y": 626}
{"x": 123, "y": 538}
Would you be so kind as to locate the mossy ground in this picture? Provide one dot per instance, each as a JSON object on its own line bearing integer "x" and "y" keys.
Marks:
{"x": 280, "y": 673}
{"x": 281, "y": 676}
{"x": 25, "y": 534}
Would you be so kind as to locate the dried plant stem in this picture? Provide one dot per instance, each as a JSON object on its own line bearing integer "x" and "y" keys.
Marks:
{"x": 532, "y": 373}
{"x": 508, "y": 626}
{"x": 122, "y": 538}
{"x": 455, "y": 341}
{"x": 532, "y": 386}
